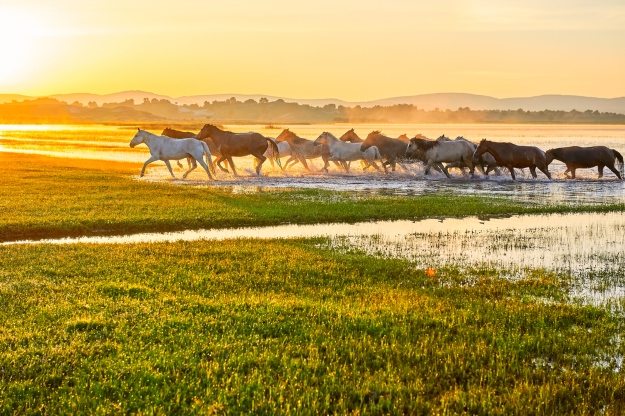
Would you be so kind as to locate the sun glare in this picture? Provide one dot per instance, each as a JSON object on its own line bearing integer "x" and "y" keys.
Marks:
{"x": 18, "y": 44}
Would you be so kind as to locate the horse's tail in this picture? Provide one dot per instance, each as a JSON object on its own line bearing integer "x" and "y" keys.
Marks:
{"x": 619, "y": 157}
{"x": 276, "y": 151}
{"x": 378, "y": 156}
{"x": 209, "y": 159}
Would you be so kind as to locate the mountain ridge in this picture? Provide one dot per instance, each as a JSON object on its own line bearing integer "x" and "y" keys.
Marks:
{"x": 442, "y": 101}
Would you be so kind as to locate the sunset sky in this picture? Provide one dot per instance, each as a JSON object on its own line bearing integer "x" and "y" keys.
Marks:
{"x": 353, "y": 49}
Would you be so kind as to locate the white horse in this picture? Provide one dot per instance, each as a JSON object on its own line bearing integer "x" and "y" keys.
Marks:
{"x": 165, "y": 148}
{"x": 346, "y": 152}
{"x": 437, "y": 151}
{"x": 284, "y": 149}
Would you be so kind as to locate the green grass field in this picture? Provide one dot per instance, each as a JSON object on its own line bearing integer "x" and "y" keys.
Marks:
{"x": 288, "y": 326}
{"x": 274, "y": 326}
{"x": 49, "y": 197}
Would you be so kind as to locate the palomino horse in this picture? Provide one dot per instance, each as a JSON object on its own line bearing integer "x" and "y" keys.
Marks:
{"x": 303, "y": 149}
{"x": 239, "y": 144}
{"x": 178, "y": 134}
{"x": 390, "y": 149}
{"x": 165, "y": 148}
{"x": 434, "y": 152}
{"x": 346, "y": 152}
{"x": 512, "y": 156}
{"x": 575, "y": 157}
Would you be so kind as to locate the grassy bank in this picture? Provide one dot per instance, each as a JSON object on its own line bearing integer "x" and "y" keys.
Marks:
{"x": 47, "y": 197}
{"x": 287, "y": 326}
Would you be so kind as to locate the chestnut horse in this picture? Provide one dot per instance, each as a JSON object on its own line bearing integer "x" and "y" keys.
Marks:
{"x": 575, "y": 157}
{"x": 303, "y": 149}
{"x": 390, "y": 149}
{"x": 512, "y": 156}
{"x": 240, "y": 144}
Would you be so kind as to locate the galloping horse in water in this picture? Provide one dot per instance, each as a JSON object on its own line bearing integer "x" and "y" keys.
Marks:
{"x": 575, "y": 157}
{"x": 346, "y": 152}
{"x": 435, "y": 152}
{"x": 512, "y": 156}
{"x": 178, "y": 134}
{"x": 165, "y": 148}
{"x": 239, "y": 144}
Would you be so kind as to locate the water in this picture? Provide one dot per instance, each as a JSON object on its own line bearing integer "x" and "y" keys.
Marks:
{"x": 588, "y": 246}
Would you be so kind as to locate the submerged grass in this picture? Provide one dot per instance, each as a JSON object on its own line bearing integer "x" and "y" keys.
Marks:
{"x": 48, "y": 197}
{"x": 288, "y": 326}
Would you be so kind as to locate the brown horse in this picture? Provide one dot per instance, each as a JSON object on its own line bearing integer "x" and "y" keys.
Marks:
{"x": 239, "y": 144}
{"x": 178, "y": 134}
{"x": 351, "y": 136}
{"x": 390, "y": 149}
{"x": 575, "y": 157}
{"x": 512, "y": 156}
{"x": 303, "y": 149}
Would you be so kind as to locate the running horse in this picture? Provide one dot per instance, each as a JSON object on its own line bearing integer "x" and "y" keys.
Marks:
{"x": 303, "y": 149}
{"x": 435, "y": 152}
{"x": 240, "y": 144}
{"x": 347, "y": 152}
{"x": 391, "y": 149}
{"x": 165, "y": 148}
{"x": 510, "y": 155}
{"x": 575, "y": 157}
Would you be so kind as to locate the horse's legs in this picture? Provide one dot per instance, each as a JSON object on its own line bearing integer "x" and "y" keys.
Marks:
{"x": 511, "y": 169}
{"x": 169, "y": 167}
{"x": 231, "y": 162}
{"x": 192, "y": 167}
{"x": 179, "y": 164}
{"x": 147, "y": 162}
{"x": 613, "y": 169}
{"x": 545, "y": 169}
{"x": 291, "y": 159}
{"x": 218, "y": 163}
{"x": 600, "y": 169}
{"x": 302, "y": 160}
{"x": 260, "y": 159}
{"x": 205, "y": 166}
{"x": 533, "y": 171}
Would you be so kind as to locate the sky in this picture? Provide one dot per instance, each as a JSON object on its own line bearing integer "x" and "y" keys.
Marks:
{"x": 355, "y": 50}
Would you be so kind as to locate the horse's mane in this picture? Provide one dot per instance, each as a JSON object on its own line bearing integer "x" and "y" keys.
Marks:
{"x": 425, "y": 144}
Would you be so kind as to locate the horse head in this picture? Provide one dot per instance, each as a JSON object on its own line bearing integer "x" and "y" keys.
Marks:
{"x": 138, "y": 139}
{"x": 324, "y": 138}
{"x": 549, "y": 156}
{"x": 481, "y": 148}
{"x": 442, "y": 138}
{"x": 285, "y": 136}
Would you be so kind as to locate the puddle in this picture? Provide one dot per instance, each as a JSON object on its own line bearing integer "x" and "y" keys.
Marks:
{"x": 588, "y": 246}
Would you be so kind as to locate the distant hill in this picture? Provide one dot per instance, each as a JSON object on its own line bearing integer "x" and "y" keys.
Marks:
{"x": 442, "y": 101}
{"x": 7, "y": 98}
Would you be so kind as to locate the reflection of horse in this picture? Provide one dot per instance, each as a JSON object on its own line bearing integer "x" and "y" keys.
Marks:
{"x": 303, "y": 149}
{"x": 239, "y": 144}
{"x": 575, "y": 157}
{"x": 390, "y": 149}
{"x": 345, "y": 152}
{"x": 177, "y": 134}
{"x": 512, "y": 156}
{"x": 165, "y": 148}
{"x": 433, "y": 152}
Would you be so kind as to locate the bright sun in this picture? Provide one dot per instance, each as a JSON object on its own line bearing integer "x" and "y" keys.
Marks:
{"x": 19, "y": 34}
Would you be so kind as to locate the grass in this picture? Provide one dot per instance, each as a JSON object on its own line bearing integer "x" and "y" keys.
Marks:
{"x": 248, "y": 326}
{"x": 48, "y": 197}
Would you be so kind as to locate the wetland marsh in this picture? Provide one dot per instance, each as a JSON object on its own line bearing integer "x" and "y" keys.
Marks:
{"x": 522, "y": 314}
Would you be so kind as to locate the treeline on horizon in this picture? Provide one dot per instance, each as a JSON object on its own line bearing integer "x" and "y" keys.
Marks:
{"x": 48, "y": 110}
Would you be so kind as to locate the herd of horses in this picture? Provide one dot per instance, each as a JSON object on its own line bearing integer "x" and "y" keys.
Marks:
{"x": 440, "y": 154}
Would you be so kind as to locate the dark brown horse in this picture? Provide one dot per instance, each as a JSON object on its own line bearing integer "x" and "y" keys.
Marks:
{"x": 303, "y": 149}
{"x": 575, "y": 157}
{"x": 178, "y": 134}
{"x": 512, "y": 156}
{"x": 390, "y": 149}
{"x": 239, "y": 144}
